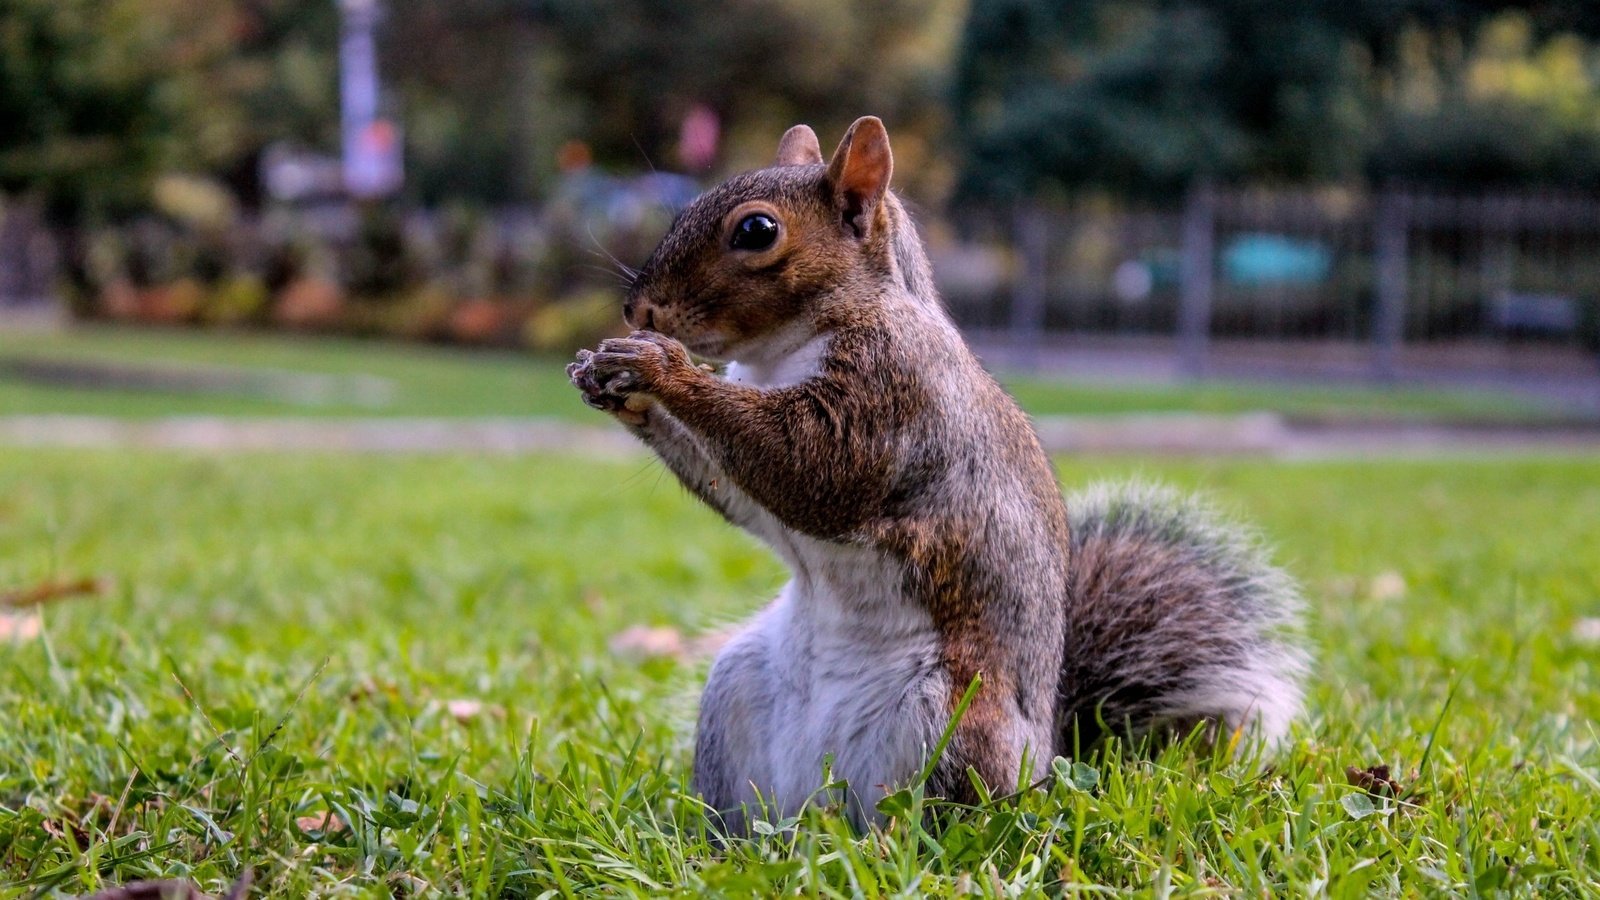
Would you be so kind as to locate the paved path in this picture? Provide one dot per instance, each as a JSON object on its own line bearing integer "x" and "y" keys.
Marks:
{"x": 1256, "y": 434}
{"x": 1569, "y": 379}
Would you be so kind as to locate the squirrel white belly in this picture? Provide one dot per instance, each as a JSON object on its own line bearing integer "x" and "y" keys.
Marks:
{"x": 854, "y": 433}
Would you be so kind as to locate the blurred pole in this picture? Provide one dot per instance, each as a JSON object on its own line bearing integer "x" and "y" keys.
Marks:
{"x": 371, "y": 144}
{"x": 1032, "y": 235}
{"x": 1389, "y": 252}
{"x": 1195, "y": 279}
{"x": 29, "y": 257}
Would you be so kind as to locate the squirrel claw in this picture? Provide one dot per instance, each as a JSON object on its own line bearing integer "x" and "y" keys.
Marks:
{"x": 620, "y": 381}
{"x": 604, "y": 387}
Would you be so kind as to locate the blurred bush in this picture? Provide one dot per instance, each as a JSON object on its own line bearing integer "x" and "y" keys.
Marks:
{"x": 549, "y": 279}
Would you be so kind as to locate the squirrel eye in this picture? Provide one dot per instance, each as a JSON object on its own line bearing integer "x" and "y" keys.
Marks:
{"x": 755, "y": 232}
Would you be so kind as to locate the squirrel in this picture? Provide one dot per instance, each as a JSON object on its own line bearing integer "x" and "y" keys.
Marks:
{"x": 854, "y": 432}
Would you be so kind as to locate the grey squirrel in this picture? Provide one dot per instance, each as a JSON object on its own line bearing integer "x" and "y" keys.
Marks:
{"x": 854, "y": 433}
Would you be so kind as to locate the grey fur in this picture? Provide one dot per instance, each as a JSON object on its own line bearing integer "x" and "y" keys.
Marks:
{"x": 1176, "y": 616}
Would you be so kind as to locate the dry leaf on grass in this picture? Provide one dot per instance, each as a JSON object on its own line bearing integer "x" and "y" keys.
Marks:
{"x": 465, "y": 709}
{"x": 1375, "y": 780}
{"x": 408, "y": 885}
{"x": 172, "y": 889}
{"x": 66, "y": 831}
{"x": 19, "y": 627}
{"x": 327, "y": 823}
{"x": 1387, "y": 586}
{"x": 646, "y": 642}
{"x": 51, "y": 591}
{"x": 1587, "y": 630}
{"x": 368, "y": 687}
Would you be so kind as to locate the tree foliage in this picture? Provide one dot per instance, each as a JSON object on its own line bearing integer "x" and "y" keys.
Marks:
{"x": 1146, "y": 96}
{"x": 635, "y": 67}
{"x": 100, "y": 97}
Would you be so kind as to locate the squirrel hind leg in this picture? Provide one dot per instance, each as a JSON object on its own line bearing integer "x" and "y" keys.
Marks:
{"x": 1176, "y": 619}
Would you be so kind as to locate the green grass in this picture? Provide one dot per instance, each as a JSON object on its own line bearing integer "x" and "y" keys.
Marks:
{"x": 283, "y": 635}
{"x": 436, "y": 381}
{"x": 426, "y": 380}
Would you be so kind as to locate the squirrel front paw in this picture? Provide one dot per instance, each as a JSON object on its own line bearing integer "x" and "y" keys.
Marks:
{"x": 624, "y": 373}
{"x": 607, "y": 394}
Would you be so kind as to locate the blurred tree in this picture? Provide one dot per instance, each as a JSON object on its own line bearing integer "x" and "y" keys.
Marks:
{"x": 1145, "y": 96}
{"x": 635, "y": 69}
{"x": 278, "y": 81}
{"x": 473, "y": 84}
{"x": 1518, "y": 105}
{"x": 100, "y": 96}
{"x": 84, "y": 99}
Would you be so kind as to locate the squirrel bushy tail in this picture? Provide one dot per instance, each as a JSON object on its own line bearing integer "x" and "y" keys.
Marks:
{"x": 1175, "y": 617}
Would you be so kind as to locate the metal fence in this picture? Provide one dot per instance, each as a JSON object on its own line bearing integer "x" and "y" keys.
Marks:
{"x": 1380, "y": 274}
{"x": 1391, "y": 272}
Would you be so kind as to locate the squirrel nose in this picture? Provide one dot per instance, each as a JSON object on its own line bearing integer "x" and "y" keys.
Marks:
{"x": 640, "y": 315}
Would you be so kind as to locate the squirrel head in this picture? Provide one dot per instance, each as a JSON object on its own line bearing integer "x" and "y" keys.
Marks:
{"x": 765, "y": 248}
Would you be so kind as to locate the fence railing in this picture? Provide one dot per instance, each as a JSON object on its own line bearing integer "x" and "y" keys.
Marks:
{"x": 1385, "y": 269}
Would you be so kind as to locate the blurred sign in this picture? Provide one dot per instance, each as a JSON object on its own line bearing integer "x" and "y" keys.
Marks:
{"x": 698, "y": 138}
{"x": 372, "y": 162}
{"x": 1534, "y": 313}
{"x": 372, "y": 166}
{"x": 291, "y": 175}
{"x": 1275, "y": 259}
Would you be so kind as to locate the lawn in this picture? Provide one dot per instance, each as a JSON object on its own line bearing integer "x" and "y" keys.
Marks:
{"x": 379, "y": 676}
{"x": 419, "y": 380}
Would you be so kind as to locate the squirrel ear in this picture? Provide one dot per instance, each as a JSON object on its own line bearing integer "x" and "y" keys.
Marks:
{"x": 859, "y": 173}
{"x": 799, "y": 147}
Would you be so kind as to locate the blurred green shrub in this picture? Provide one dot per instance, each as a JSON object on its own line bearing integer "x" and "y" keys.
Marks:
{"x": 459, "y": 275}
{"x": 576, "y": 322}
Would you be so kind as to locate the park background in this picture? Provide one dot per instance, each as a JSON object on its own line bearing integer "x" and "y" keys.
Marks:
{"x": 314, "y": 569}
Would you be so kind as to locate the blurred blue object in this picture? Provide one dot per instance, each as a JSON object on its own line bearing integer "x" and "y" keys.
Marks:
{"x": 1272, "y": 259}
{"x": 624, "y": 202}
{"x": 1532, "y": 313}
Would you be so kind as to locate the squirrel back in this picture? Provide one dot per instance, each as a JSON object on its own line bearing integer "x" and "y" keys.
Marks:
{"x": 855, "y": 433}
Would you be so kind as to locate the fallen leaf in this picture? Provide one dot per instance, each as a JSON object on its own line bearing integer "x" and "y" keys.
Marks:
{"x": 66, "y": 831}
{"x": 369, "y": 687}
{"x": 20, "y": 627}
{"x": 172, "y": 889}
{"x": 1375, "y": 780}
{"x": 1587, "y": 630}
{"x": 465, "y": 710}
{"x": 645, "y": 642}
{"x": 327, "y": 823}
{"x": 410, "y": 885}
{"x": 50, "y": 591}
{"x": 153, "y": 890}
{"x": 1387, "y": 586}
